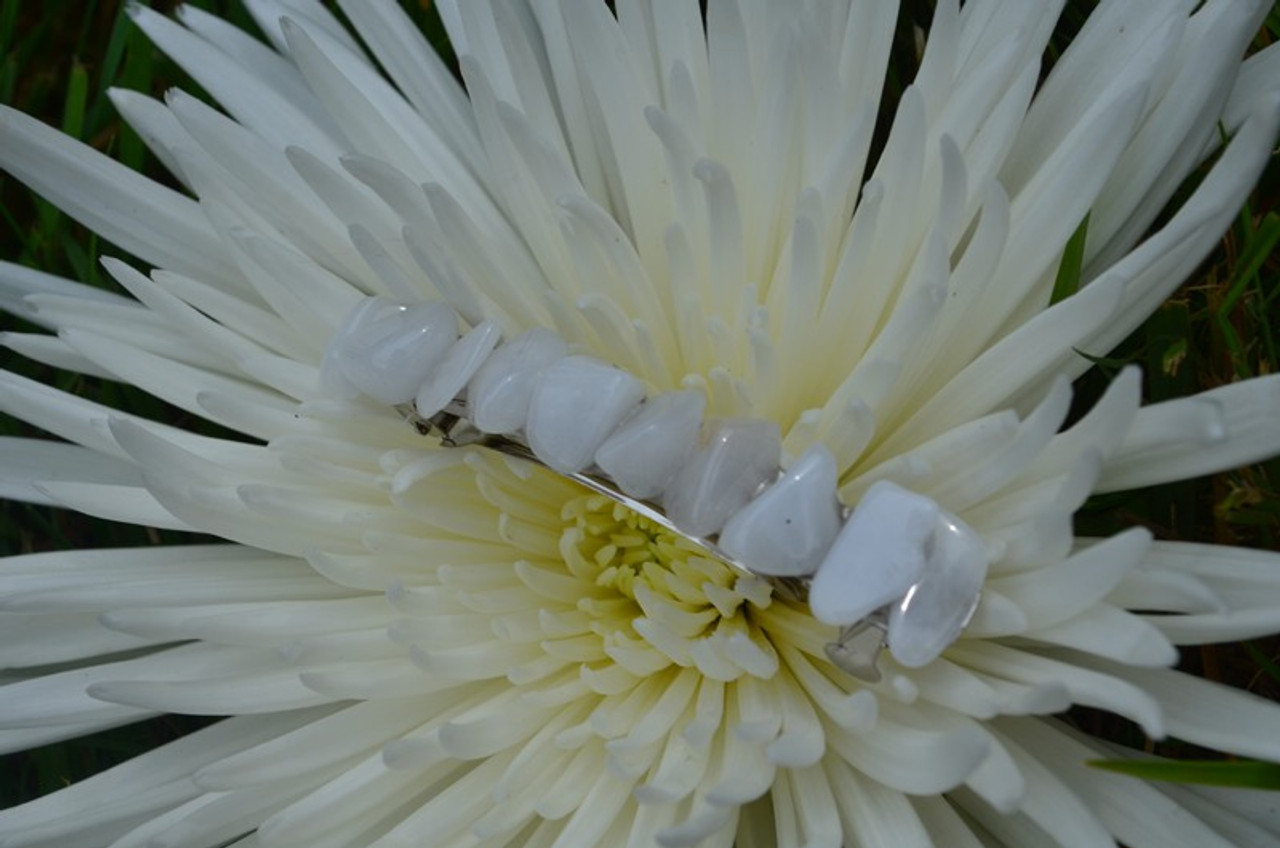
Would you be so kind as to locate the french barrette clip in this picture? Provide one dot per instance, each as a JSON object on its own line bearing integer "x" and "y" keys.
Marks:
{"x": 893, "y": 571}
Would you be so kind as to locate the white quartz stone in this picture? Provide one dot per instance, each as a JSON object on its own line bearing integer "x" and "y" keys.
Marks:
{"x": 935, "y": 611}
{"x": 787, "y": 530}
{"x": 645, "y": 452}
{"x": 386, "y": 350}
{"x": 499, "y": 393}
{"x": 446, "y": 380}
{"x": 878, "y": 555}
{"x": 576, "y": 404}
{"x": 718, "y": 480}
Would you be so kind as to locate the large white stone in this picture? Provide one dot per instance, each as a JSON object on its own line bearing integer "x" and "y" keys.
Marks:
{"x": 446, "y": 380}
{"x": 645, "y": 452}
{"x": 788, "y": 529}
{"x": 718, "y": 480}
{"x": 498, "y": 395}
{"x": 576, "y": 404}
{"x": 937, "y": 608}
{"x": 878, "y": 555}
{"x": 385, "y": 350}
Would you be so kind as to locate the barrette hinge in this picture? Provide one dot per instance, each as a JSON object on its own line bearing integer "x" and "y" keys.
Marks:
{"x": 858, "y": 648}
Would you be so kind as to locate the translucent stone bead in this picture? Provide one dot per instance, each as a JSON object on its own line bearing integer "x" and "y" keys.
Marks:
{"x": 386, "y": 350}
{"x": 645, "y": 452}
{"x": 718, "y": 480}
{"x": 787, "y": 530}
{"x": 878, "y": 555}
{"x": 446, "y": 380}
{"x": 937, "y": 608}
{"x": 498, "y": 395}
{"x": 576, "y": 404}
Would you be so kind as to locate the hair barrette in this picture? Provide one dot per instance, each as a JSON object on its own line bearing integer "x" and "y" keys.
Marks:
{"x": 894, "y": 571}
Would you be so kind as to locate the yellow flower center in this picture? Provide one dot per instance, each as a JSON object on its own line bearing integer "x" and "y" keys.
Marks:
{"x": 665, "y": 600}
{"x": 624, "y": 548}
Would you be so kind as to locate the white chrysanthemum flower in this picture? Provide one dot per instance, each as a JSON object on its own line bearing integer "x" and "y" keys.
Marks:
{"x": 427, "y": 646}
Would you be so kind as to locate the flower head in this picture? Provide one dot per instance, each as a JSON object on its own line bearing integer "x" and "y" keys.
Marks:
{"x": 419, "y": 644}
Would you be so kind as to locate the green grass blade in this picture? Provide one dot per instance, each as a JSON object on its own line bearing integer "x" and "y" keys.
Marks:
{"x": 1241, "y": 774}
{"x": 1067, "y": 282}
